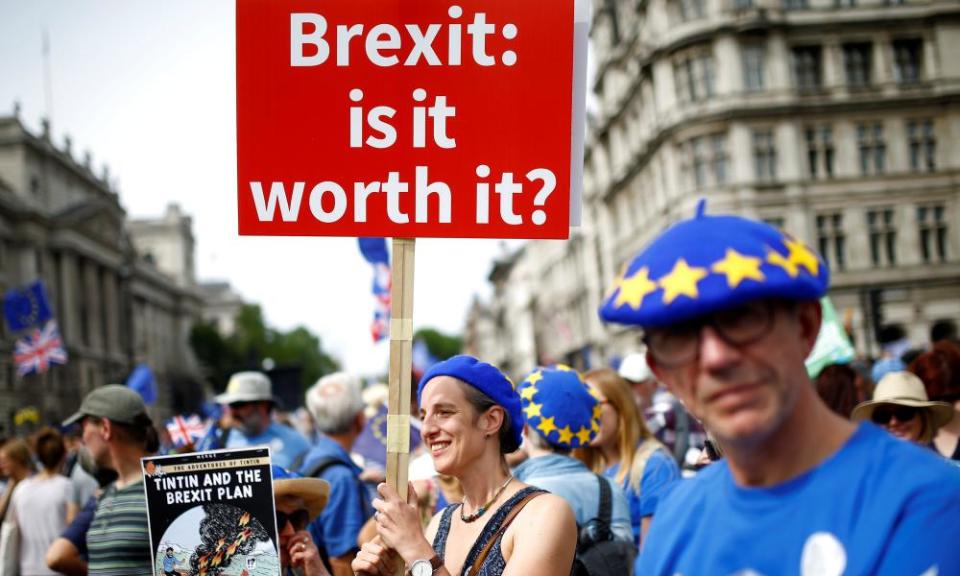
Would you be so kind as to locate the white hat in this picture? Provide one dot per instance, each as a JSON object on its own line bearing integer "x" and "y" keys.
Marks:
{"x": 903, "y": 389}
{"x": 635, "y": 368}
{"x": 247, "y": 387}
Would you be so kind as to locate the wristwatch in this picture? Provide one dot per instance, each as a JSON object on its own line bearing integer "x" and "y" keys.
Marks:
{"x": 425, "y": 567}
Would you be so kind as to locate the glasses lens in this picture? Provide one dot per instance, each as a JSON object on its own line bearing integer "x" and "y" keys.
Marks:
{"x": 282, "y": 519}
{"x": 885, "y": 414}
{"x": 298, "y": 519}
{"x": 744, "y": 324}
{"x": 674, "y": 346}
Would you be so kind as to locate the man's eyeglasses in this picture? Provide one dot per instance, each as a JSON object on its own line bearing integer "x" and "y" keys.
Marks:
{"x": 298, "y": 519}
{"x": 883, "y": 414}
{"x": 741, "y": 325}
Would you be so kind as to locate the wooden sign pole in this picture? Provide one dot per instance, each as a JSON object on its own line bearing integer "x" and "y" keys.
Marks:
{"x": 401, "y": 339}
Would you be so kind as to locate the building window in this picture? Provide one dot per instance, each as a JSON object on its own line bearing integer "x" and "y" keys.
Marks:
{"x": 932, "y": 223}
{"x": 807, "y": 69}
{"x": 907, "y": 60}
{"x": 708, "y": 160}
{"x": 831, "y": 240}
{"x": 742, "y": 4}
{"x": 873, "y": 150}
{"x": 844, "y": 3}
{"x": 695, "y": 77}
{"x": 820, "y": 151}
{"x": 692, "y": 10}
{"x": 764, "y": 155}
{"x": 923, "y": 145}
{"x": 754, "y": 61}
{"x": 883, "y": 237}
{"x": 795, "y": 4}
{"x": 858, "y": 61}
{"x": 776, "y": 221}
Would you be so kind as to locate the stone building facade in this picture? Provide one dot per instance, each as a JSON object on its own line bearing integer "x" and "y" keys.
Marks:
{"x": 837, "y": 120}
{"x": 63, "y": 224}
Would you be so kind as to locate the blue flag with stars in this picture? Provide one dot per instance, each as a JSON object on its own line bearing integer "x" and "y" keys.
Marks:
{"x": 26, "y": 308}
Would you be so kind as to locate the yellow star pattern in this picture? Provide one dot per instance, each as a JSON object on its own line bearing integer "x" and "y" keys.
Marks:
{"x": 609, "y": 293}
{"x": 800, "y": 255}
{"x": 546, "y": 426}
{"x": 634, "y": 289}
{"x": 596, "y": 411}
{"x": 528, "y": 392}
{"x": 564, "y": 368}
{"x": 535, "y": 377}
{"x": 595, "y": 393}
{"x": 532, "y": 410}
{"x": 681, "y": 281}
{"x": 566, "y": 435}
{"x": 595, "y": 426}
{"x": 788, "y": 266}
{"x": 583, "y": 435}
{"x": 738, "y": 268}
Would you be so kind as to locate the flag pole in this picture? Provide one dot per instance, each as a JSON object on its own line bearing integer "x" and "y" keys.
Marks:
{"x": 401, "y": 337}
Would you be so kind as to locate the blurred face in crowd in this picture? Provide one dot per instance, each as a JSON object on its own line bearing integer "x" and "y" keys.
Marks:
{"x": 251, "y": 418}
{"x": 292, "y": 517}
{"x": 739, "y": 370}
{"x": 452, "y": 430}
{"x": 609, "y": 422}
{"x": 93, "y": 439}
{"x": 904, "y": 422}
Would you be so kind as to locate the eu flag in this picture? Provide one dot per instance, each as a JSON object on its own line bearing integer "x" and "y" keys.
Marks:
{"x": 26, "y": 308}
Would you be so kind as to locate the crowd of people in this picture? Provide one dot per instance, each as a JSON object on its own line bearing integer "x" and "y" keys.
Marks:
{"x": 712, "y": 452}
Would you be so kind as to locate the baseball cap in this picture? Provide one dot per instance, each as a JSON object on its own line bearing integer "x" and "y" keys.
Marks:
{"x": 115, "y": 403}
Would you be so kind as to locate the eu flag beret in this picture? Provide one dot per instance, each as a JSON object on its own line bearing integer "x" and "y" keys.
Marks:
{"x": 485, "y": 378}
{"x": 560, "y": 406}
{"x": 709, "y": 263}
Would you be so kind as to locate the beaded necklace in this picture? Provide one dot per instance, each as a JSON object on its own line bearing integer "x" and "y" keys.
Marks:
{"x": 479, "y": 512}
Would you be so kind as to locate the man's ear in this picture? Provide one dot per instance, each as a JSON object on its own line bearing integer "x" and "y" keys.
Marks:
{"x": 106, "y": 430}
{"x": 809, "y": 318}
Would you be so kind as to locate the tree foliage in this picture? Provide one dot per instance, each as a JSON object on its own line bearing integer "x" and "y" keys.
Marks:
{"x": 252, "y": 342}
{"x": 440, "y": 345}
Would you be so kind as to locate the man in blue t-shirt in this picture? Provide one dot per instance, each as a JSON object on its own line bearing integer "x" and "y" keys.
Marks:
{"x": 730, "y": 311}
{"x": 337, "y": 409}
{"x": 249, "y": 399}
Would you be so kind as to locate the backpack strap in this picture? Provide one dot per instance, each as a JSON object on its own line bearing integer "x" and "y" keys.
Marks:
{"x": 605, "y": 509}
{"x": 322, "y": 464}
{"x": 475, "y": 568}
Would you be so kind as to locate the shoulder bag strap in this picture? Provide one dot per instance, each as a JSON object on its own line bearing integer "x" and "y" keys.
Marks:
{"x": 605, "y": 511}
{"x": 475, "y": 568}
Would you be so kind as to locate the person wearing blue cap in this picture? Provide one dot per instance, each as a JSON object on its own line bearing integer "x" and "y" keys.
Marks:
{"x": 730, "y": 310}
{"x": 563, "y": 413}
{"x": 471, "y": 418}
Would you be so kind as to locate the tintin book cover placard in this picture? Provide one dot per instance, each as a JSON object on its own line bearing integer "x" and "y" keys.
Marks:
{"x": 212, "y": 513}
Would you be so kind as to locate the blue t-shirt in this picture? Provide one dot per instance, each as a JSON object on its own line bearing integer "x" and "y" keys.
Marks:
{"x": 169, "y": 562}
{"x": 349, "y": 506}
{"x": 287, "y": 446}
{"x": 660, "y": 475}
{"x": 878, "y": 506}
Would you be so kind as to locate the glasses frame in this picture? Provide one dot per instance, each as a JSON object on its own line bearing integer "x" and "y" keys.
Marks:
{"x": 891, "y": 411}
{"x": 696, "y": 325}
{"x": 284, "y": 517}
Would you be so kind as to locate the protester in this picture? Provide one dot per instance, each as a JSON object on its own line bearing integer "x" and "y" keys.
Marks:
{"x": 68, "y": 553}
{"x": 730, "y": 311}
{"x": 901, "y": 406}
{"x": 662, "y": 413}
{"x": 472, "y": 417}
{"x": 940, "y": 371}
{"x": 16, "y": 463}
{"x": 298, "y": 502}
{"x": 118, "y": 433}
{"x": 42, "y": 505}
{"x": 562, "y": 413}
{"x": 627, "y": 452}
{"x": 250, "y": 402}
{"x": 337, "y": 409}
{"x": 836, "y": 385}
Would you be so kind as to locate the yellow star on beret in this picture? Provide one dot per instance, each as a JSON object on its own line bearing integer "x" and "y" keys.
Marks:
{"x": 535, "y": 377}
{"x": 801, "y": 256}
{"x": 778, "y": 259}
{"x": 532, "y": 410}
{"x": 738, "y": 268}
{"x": 566, "y": 435}
{"x": 546, "y": 426}
{"x": 528, "y": 392}
{"x": 635, "y": 288}
{"x": 583, "y": 435}
{"x": 681, "y": 281}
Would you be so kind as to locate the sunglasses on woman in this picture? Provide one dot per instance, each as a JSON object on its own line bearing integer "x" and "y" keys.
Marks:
{"x": 298, "y": 519}
{"x": 884, "y": 414}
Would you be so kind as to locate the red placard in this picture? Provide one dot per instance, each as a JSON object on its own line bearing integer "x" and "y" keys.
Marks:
{"x": 404, "y": 118}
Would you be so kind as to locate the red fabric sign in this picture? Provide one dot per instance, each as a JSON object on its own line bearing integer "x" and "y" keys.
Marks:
{"x": 404, "y": 118}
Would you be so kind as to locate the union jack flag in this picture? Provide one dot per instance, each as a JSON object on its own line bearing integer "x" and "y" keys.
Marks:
{"x": 186, "y": 430}
{"x": 36, "y": 351}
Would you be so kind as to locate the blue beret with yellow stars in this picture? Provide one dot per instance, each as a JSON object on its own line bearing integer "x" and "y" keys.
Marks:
{"x": 709, "y": 263}
{"x": 559, "y": 405}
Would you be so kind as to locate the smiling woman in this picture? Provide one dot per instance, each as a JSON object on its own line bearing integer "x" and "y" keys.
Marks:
{"x": 472, "y": 418}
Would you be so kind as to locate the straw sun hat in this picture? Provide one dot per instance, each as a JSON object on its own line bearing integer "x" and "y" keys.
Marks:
{"x": 313, "y": 491}
{"x": 903, "y": 389}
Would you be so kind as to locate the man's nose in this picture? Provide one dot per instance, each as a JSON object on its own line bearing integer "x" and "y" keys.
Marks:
{"x": 715, "y": 352}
